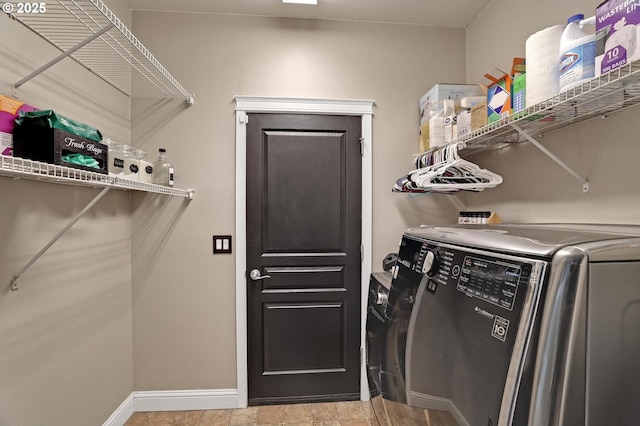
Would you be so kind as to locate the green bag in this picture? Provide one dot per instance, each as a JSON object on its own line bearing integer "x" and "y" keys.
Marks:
{"x": 50, "y": 120}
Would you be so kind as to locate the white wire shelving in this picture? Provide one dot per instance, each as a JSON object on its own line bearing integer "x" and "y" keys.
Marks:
{"x": 596, "y": 98}
{"x": 16, "y": 167}
{"x": 93, "y": 36}
{"x": 88, "y": 32}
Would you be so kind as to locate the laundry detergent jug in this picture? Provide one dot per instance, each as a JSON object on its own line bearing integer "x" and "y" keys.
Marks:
{"x": 577, "y": 53}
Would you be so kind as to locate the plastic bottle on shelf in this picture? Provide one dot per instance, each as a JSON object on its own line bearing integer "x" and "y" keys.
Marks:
{"x": 577, "y": 53}
{"x": 115, "y": 158}
{"x": 131, "y": 163}
{"x": 145, "y": 171}
{"x": 162, "y": 169}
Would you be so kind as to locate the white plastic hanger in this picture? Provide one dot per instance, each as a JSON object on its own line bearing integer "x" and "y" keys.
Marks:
{"x": 448, "y": 173}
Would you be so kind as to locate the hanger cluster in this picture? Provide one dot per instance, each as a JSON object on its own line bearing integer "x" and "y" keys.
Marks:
{"x": 443, "y": 171}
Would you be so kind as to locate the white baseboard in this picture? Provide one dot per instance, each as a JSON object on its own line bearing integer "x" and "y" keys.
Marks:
{"x": 185, "y": 400}
{"x": 430, "y": 402}
{"x": 215, "y": 399}
{"x": 122, "y": 413}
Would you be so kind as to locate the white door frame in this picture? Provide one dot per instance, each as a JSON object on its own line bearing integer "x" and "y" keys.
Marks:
{"x": 249, "y": 104}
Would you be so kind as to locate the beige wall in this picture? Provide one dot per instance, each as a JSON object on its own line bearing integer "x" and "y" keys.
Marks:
{"x": 535, "y": 189}
{"x": 132, "y": 298}
{"x": 66, "y": 334}
{"x": 184, "y": 297}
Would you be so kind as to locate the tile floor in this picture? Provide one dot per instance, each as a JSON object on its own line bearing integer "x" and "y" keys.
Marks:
{"x": 352, "y": 413}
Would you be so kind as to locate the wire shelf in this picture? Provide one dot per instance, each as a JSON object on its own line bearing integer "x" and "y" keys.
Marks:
{"x": 116, "y": 55}
{"x": 601, "y": 96}
{"x": 22, "y": 168}
{"x": 598, "y": 97}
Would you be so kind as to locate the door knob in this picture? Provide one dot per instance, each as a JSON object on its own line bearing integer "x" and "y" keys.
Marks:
{"x": 255, "y": 275}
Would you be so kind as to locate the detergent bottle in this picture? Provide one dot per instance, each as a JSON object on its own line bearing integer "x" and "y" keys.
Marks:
{"x": 577, "y": 53}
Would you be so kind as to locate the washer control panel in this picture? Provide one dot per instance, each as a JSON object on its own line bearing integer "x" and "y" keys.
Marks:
{"x": 490, "y": 277}
{"x": 494, "y": 281}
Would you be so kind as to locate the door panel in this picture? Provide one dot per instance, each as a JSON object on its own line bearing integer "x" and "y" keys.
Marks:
{"x": 303, "y": 231}
{"x": 304, "y": 277}
{"x": 313, "y": 196}
{"x": 318, "y": 333}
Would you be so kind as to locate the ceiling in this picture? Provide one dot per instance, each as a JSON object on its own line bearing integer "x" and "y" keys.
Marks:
{"x": 445, "y": 13}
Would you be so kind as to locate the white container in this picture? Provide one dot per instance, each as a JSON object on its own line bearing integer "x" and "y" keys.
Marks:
{"x": 577, "y": 53}
{"x": 115, "y": 158}
{"x": 131, "y": 163}
{"x": 162, "y": 169}
{"x": 437, "y": 136}
{"x": 145, "y": 171}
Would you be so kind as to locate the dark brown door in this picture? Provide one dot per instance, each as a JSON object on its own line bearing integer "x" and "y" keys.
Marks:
{"x": 303, "y": 231}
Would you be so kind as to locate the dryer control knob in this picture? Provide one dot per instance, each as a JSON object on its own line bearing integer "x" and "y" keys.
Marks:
{"x": 431, "y": 263}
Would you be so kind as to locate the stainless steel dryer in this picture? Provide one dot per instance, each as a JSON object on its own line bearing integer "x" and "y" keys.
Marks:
{"x": 377, "y": 325}
{"x": 523, "y": 325}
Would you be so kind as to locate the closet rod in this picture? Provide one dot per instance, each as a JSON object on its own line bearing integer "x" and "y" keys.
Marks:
{"x": 585, "y": 183}
{"x": 62, "y": 56}
{"x": 14, "y": 280}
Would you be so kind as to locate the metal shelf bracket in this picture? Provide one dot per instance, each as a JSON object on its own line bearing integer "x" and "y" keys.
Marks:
{"x": 14, "y": 280}
{"x": 585, "y": 183}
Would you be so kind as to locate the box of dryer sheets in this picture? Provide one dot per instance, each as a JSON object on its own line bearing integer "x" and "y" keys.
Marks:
{"x": 465, "y": 116}
{"x": 617, "y": 34}
{"x": 478, "y": 116}
{"x": 9, "y": 110}
{"x": 52, "y": 138}
{"x": 431, "y": 104}
{"x": 499, "y": 88}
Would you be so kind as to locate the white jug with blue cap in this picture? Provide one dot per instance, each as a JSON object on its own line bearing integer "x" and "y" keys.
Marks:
{"x": 577, "y": 53}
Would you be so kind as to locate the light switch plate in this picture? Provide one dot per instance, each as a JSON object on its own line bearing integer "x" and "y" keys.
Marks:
{"x": 221, "y": 244}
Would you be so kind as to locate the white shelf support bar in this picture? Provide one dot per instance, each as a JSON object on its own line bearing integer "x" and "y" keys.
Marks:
{"x": 62, "y": 56}
{"x": 116, "y": 56}
{"x": 585, "y": 183}
{"x": 456, "y": 202}
{"x": 14, "y": 280}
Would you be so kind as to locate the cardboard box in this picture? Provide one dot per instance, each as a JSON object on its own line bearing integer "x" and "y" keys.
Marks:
{"x": 9, "y": 110}
{"x": 519, "y": 93}
{"x": 6, "y": 143}
{"x": 499, "y": 87}
{"x": 518, "y": 67}
{"x": 432, "y": 103}
{"x": 464, "y": 123}
{"x": 450, "y": 128}
{"x": 478, "y": 116}
{"x": 472, "y": 100}
{"x": 55, "y": 146}
{"x": 433, "y": 100}
{"x": 617, "y": 34}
